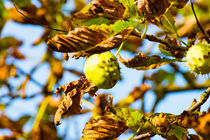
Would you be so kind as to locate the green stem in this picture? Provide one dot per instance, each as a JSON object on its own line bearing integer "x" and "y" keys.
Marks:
{"x": 40, "y": 113}
{"x": 120, "y": 48}
{"x": 138, "y": 130}
{"x": 144, "y": 33}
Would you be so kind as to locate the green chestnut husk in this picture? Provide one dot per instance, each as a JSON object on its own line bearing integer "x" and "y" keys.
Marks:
{"x": 198, "y": 58}
{"x": 102, "y": 70}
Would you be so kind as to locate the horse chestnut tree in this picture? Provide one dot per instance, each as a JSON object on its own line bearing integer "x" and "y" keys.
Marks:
{"x": 156, "y": 53}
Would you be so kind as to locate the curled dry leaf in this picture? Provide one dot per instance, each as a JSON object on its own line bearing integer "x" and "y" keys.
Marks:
{"x": 6, "y": 123}
{"x": 102, "y": 8}
{"x": 152, "y": 8}
{"x": 100, "y": 104}
{"x": 74, "y": 92}
{"x": 86, "y": 41}
{"x": 143, "y": 62}
{"x": 203, "y": 125}
{"x": 103, "y": 128}
{"x": 161, "y": 123}
{"x": 80, "y": 39}
{"x": 7, "y": 71}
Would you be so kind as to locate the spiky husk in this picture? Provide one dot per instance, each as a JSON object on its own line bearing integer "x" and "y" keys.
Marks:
{"x": 102, "y": 70}
{"x": 198, "y": 58}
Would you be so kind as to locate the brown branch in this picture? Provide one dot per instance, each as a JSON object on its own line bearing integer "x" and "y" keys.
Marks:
{"x": 153, "y": 38}
{"x": 30, "y": 77}
{"x": 145, "y": 135}
{"x": 205, "y": 95}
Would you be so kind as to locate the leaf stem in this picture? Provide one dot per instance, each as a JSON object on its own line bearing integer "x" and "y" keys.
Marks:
{"x": 137, "y": 131}
{"x": 120, "y": 48}
{"x": 144, "y": 33}
{"x": 40, "y": 113}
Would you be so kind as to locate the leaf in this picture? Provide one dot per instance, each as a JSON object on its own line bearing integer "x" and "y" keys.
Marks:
{"x": 79, "y": 4}
{"x": 132, "y": 118}
{"x": 151, "y": 9}
{"x": 7, "y": 71}
{"x": 167, "y": 23}
{"x": 93, "y": 39}
{"x": 164, "y": 50}
{"x": 143, "y": 62}
{"x": 103, "y": 128}
{"x": 74, "y": 92}
{"x": 177, "y": 131}
{"x": 23, "y": 120}
{"x": 130, "y": 8}
{"x": 2, "y": 106}
{"x": 161, "y": 76}
{"x": 22, "y": 3}
{"x": 3, "y": 15}
{"x": 110, "y": 10}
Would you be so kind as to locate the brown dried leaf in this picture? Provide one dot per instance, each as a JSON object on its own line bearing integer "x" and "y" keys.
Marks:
{"x": 45, "y": 131}
{"x": 79, "y": 39}
{"x": 203, "y": 125}
{"x": 7, "y": 123}
{"x": 143, "y": 62}
{"x": 86, "y": 41}
{"x": 102, "y": 8}
{"x": 103, "y": 128}
{"x": 105, "y": 45}
{"x": 100, "y": 104}
{"x": 74, "y": 92}
{"x": 152, "y": 8}
{"x": 16, "y": 54}
{"x": 7, "y": 71}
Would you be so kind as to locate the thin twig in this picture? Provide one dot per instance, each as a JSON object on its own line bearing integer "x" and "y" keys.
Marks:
{"x": 199, "y": 25}
{"x": 30, "y": 77}
{"x": 33, "y": 21}
{"x": 143, "y": 136}
{"x": 204, "y": 96}
{"x": 152, "y": 38}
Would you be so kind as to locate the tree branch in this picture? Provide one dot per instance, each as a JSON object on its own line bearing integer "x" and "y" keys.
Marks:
{"x": 152, "y": 38}
{"x": 145, "y": 135}
{"x": 204, "y": 96}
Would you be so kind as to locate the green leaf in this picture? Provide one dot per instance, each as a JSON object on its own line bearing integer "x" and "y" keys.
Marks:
{"x": 177, "y": 131}
{"x": 79, "y": 4}
{"x": 133, "y": 118}
{"x": 130, "y": 8}
{"x": 163, "y": 50}
{"x": 2, "y": 106}
{"x": 22, "y": 3}
{"x": 167, "y": 23}
{"x": 89, "y": 22}
{"x": 163, "y": 75}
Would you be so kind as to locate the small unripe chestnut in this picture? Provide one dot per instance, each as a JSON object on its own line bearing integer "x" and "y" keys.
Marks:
{"x": 102, "y": 70}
